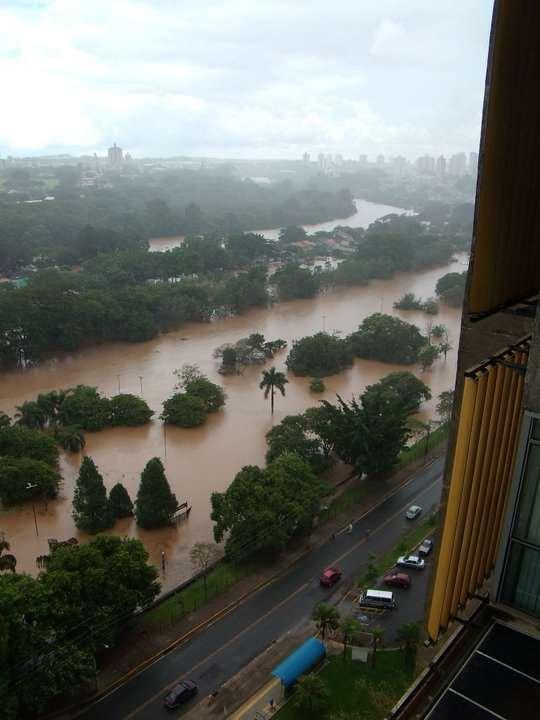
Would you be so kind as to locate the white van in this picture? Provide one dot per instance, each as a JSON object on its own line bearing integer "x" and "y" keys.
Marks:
{"x": 377, "y": 599}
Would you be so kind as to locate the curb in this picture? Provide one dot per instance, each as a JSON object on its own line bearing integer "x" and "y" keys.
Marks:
{"x": 216, "y": 616}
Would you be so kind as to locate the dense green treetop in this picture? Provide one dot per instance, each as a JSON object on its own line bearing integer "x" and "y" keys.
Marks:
{"x": 293, "y": 281}
{"x": 84, "y": 407}
{"x": 294, "y": 434}
{"x": 388, "y": 339}
{"x": 262, "y": 509}
{"x": 24, "y": 478}
{"x": 184, "y": 410}
{"x": 319, "y": 355}
{"x": 22, "y": 442}
{"x": 127, "y": 409}
{"x": 404, "y": 387}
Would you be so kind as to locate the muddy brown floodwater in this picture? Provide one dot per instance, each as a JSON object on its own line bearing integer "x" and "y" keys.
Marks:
{"x": 201, "y": 460}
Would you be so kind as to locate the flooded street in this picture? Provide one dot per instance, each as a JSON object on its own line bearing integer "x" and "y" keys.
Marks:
{"x": 366, "y": 213}
{"x": 201, "y": 460}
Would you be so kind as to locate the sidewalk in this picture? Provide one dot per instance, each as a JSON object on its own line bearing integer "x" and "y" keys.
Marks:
{"x": 141, "y": 644}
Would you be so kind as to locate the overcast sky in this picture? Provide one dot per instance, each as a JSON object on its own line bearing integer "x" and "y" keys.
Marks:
{"x": 242, "y": 78}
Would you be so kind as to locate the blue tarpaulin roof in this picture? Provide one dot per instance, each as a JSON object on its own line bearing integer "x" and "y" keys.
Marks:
{"x": 302, "y": 660}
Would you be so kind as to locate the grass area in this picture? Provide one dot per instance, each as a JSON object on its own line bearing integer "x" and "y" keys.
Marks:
{"x": 409, "y": 540}
{"x": 351, "y": 496}
{"x": 356, "y": 688}
{"x": 192, "y": 597}
{"x": 419, "y": 449}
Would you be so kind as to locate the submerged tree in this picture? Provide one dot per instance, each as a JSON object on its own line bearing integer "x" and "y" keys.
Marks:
{"x": 91, "y": 509}
{"x": 155, "y": 503}
{"x": 120, "y": 502}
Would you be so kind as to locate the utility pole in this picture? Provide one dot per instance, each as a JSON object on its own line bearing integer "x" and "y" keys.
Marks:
{"x": 140, "y": 380}
{"x": 118, "y": 378}
{"x": 29, "y": 486}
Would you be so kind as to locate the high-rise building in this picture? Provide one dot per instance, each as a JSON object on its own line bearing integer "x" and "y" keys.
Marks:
{"x": 425, "y": 165}
{"x": 380, "y": 159}
{"x": 484, "y": 603}
{"x": 457, "y": 165}
{"x": 305, "y": 158}
{"x": 362, "y": 159}
{"x": 473, "y": 164}
{"x": 440, "y": 165}
{"x": 115, "y": 155}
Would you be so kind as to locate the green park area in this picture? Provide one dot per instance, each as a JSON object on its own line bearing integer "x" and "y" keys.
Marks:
{"x": 355, "y": 689}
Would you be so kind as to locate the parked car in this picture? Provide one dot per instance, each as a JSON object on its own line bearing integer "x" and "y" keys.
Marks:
{"x": 411, "y": 561}
{"x": 377, "y": 599}
{"x": 413, "y": 512}
{"x": 330, "y": 576}
{"x": 425, "y": 548}
{"x": 400, "y": 580}
{"x": 180, "y": 694}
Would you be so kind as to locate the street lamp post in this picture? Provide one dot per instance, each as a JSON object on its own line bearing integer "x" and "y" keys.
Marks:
{"x": 29, "y": 486}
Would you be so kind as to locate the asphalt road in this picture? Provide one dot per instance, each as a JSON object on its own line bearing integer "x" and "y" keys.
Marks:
{"x": 219, "y": 652}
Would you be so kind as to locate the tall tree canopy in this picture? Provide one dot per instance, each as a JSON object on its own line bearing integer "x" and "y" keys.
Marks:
{"x": 386, "y": 338}
{"x": 91, "y": 509}
{"x": 155, "y": 502}
{"x": 262, "y": 509}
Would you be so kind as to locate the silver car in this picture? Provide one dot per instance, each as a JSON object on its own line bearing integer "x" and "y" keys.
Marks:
{"x": 411, "y": 561}
{"x": 413, "y": 512}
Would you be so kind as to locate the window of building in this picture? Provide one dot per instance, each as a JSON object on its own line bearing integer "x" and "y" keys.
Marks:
{"x": 521, "y": 584}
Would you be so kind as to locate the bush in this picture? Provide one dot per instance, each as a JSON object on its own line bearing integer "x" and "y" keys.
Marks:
{"x": 409, "y": 301}
{"x": 317, "y": 385}
{"x": 17, "y": 474}
{"x": 130, "y": 410}
{"x": 295, "y": 282}
{"x": 83, "y": 406}
{"x": 319, "y": 355}
{"x": 184, "y": 410}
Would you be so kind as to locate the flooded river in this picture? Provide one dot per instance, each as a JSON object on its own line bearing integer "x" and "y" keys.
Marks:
{"x": 201, "y": 460}
{"x": 366, "y": 213}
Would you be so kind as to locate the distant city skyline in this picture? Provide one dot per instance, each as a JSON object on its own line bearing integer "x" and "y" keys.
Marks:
{"x": 242, "y": 78}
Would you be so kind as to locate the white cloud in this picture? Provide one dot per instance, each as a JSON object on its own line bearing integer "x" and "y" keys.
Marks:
{"x": 163, "y": 77}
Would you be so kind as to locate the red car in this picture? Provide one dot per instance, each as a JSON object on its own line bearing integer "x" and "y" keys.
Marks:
{"x": 330, "y": 576}
{"x": 400, "y": 580}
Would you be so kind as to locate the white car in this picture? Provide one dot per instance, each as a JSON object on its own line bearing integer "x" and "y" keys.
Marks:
{"x": 413, "y": 512}
{"x": 411, "y": 561}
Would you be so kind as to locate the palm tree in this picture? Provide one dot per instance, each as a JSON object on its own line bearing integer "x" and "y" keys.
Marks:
{"x": 70, "y": 438}
{"x": 7, "y": 561}
{"x": 408, "y": 635}
{"x": 272, "y": 380}
{"x": 311, "y": 695}
{"x": 349, "y": 627}
{"x": 377, "y": 635}
{"x": 326, "y": 618}
{"x": 31, "y": 415}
